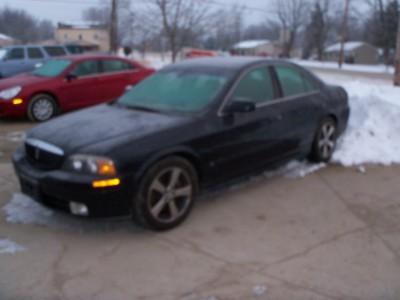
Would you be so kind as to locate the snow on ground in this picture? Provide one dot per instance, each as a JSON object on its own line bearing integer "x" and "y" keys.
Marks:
{"x": 23, "y": 210}
{"x": 9, "y": 247}
{"x": 348, "y": 67}
{"x": 373, "y": 134}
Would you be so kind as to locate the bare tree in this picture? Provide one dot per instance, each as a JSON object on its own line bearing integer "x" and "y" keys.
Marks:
{"x": 22, "y": 26}
{"x": 317, "y": 31}
{"x": 292, "y": 15}
{"x": 181, "y": 21}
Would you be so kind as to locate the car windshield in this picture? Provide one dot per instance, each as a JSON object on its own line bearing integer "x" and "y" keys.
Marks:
{"x": 175, "y": 90}
{"x": 3, "y": 53}
{"x": 52, "y": 68}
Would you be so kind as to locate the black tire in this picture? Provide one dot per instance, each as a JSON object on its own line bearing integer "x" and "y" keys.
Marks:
{"x": 324, "y": 143}
{"x": 157, "y": 205}
{"x": 42, "y": 107}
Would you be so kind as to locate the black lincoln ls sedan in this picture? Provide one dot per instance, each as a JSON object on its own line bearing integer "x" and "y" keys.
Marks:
{"x": 189, "y": 127}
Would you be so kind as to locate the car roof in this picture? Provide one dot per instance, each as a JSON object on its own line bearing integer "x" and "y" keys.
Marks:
{"x": 31, "y": 45}
{"x": 79, "y": 57}
{"x": 233, "y": 63}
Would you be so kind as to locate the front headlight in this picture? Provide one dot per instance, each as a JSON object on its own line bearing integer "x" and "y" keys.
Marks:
{"x": 88, "y": 164}
{"x": 7, "y": 94}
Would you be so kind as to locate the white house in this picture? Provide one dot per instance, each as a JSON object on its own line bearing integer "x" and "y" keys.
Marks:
{"x": 254, "y": 48}
{"x": 354, "y": 52}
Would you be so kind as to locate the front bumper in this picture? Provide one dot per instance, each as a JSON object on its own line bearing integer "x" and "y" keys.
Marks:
{"x": 57, "y": 189}
{"x": 7, "y": 109}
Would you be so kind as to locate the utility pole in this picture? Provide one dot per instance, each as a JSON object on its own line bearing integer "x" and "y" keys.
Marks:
{"x": 344, "y": 32}
{"x": 397, "y": 60}
{"x": 114, "y": 27}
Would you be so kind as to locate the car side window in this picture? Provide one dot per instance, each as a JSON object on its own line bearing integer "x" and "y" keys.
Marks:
{"x": 113, "y": 65}
{"x": 35, "y": 53}
{"x": 54, "y": 51}
{"x": 256, "y": 86}
{"x": 86, "y": 68}
{"x": 292, "y": 81}
{"x": 16, "y": 54}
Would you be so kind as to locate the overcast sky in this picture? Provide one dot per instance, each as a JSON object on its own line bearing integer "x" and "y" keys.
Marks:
{"x": 71, "y": 10}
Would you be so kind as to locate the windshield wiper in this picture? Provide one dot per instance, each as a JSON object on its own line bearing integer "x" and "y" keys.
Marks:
{"x": 137, "y": 107}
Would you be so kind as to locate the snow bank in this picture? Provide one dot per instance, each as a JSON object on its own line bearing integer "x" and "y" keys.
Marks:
{"x": 9, "y": 247}
{"x": 23, "y": 210}
{"x": 348, "y": 67}
{"x": 373, "y": 134}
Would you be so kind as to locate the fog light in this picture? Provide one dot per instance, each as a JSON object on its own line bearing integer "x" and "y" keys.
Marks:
{"x": 17, "y": 101}
{"x": 78, "y": 209}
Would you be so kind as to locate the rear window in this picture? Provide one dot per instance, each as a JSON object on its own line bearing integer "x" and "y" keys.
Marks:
{"x": 16, "y": 53}
{"x": 35, "y": 53}
{"x": 74, "y": 49}
{"x": 115, "y": 66}
{"x": 86, "y": 68}
{"x": 55, "y": 51}
{"x": 292, "y": 81}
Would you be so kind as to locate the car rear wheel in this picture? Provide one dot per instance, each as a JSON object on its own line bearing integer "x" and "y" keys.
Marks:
{"x": 325, "y": 141}
{"x": 41, "y": 108}
{"x": 166, "y": 194}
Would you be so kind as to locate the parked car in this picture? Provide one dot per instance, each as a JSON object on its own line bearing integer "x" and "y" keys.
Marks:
{"x": 66, "y": 84}
{"x": 25, "y": 58}
{"x": 189, "y": 127}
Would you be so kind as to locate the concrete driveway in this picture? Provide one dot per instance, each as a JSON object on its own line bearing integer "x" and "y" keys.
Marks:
{"x": 334, "y": 234}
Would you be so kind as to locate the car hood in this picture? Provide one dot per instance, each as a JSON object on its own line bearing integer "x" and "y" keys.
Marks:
{"x": 22, "y": 80}
{"x": 101, "y": 123}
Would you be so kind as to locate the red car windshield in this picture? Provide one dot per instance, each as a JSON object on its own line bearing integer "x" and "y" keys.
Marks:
{"x": 52, "y": 68}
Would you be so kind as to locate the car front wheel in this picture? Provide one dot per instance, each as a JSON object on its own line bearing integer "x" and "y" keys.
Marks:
{"x": 325, "y": 141}
{"x": 41, "y": 108}
{"x": 166, "y": 194}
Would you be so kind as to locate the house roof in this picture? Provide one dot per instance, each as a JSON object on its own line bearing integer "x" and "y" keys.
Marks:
{"x": 5, "y": 37}
{"x": 348, "y": 46}
{"x": 250, "y": 44}
{"x": 81, "y": 25}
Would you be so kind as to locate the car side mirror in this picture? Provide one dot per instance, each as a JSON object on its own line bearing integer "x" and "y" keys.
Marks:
{"x": 69, "y": 77}
{"x": 240, "y": 106}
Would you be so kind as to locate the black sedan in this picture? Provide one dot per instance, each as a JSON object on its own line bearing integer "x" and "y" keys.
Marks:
{"x": 187, "y": 128}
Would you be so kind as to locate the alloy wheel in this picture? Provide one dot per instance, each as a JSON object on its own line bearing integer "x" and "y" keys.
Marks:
{"x": 327, "y": 140}
{"x": 170, "y": 194}
{"x": 43, "y": 109}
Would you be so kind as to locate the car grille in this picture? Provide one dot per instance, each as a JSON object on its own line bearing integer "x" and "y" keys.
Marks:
{"x": 43, "y": 155}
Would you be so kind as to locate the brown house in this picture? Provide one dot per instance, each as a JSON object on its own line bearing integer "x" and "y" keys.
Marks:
{"x": 354, "y": 53}
{"x": 92, "y": 37}
{"x": 6, "y": 40}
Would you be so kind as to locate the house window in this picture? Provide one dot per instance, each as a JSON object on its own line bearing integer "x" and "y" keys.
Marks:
{"x": 66, "y": 36}
{"x": 96, "y": 36}
{"x": 80, "y": 37}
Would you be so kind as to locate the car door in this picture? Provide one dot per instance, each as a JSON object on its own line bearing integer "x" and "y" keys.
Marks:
{"x": 249, "y": 141}
{"x": 80, "y": 87}
{"x": 14, "y": 62}
{"x": 300, "y": 105}
{"x": 115, "y": 77}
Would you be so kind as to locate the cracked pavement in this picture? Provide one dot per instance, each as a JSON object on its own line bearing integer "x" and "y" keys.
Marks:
{"x": 334, "y": 234}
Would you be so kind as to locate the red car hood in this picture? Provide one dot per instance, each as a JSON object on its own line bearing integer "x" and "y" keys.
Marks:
{"x": 22, "y": 80}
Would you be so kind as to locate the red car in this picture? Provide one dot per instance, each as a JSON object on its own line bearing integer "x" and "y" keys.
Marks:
{"x": 66, "y": 84}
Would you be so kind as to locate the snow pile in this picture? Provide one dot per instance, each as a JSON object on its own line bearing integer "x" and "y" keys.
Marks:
{"x": 259, "y": 290}
{"x": 9, "y": 247}
{"x": 23, "y": 210}
{"x": 373, "y": 133}
{"x": 295, "y": 169}
{"x": 16, "y": 136}
{"x": 377, "y": 69}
